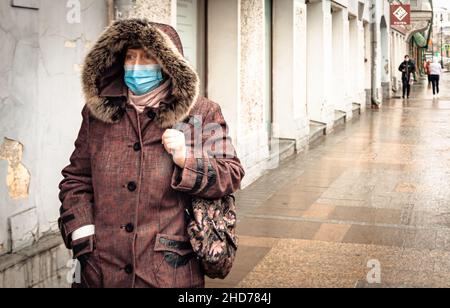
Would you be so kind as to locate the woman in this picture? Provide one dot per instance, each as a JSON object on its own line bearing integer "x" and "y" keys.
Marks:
{"x": 435, "y": 76}
{"x": 143, "y": 150}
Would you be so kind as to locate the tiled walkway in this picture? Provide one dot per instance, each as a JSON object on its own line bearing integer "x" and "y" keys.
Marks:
{"x": 376, "y": 190}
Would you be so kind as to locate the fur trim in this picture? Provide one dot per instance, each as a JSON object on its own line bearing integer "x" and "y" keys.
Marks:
{"x": 102, "y": 70}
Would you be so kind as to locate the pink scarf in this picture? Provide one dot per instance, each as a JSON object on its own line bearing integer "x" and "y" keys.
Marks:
{"x": 151, "y": 99}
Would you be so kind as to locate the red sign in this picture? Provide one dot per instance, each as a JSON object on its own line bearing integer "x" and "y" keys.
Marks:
{"x": 400, "y": 14}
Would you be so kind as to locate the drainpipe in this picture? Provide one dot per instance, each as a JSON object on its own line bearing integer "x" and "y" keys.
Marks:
{"x": 376, "y": 103}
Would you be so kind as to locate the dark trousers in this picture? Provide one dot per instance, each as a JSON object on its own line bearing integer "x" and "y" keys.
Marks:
{"x": 435, "y": 82}
{"x": 406, "y": 87}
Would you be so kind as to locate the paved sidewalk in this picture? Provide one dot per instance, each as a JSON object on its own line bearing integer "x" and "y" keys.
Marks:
{"x": 376, "y": 192}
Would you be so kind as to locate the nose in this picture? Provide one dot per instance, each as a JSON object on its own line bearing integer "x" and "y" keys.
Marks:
{"x": 139, "y": 60}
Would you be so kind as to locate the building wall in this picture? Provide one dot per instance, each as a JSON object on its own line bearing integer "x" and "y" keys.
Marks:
{"x": 18, "y": 107}
{"x": 40, "y": 109}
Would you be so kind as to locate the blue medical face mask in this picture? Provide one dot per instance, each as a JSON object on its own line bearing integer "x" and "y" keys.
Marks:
{"x": 141, "y": 79}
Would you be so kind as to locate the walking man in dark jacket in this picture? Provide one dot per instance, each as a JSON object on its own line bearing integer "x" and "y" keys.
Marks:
{"x": 408, "y": 69}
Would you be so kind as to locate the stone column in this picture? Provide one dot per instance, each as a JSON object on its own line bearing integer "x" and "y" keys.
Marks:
{"x": 376, "y": 93}
{"x": 236, "y": 69}
{"x": 320, "y": 107}
{"x": 361, "y": 64}
{"x": 356, "y": 53}
{"x": 367, "y": 65}
{"x": 343, "y": 71}
{"x": 253, "y": 139}
{"x": 395, "y": 62}
{"x": 289, "y": 71}
{"x": 385, "y": 60}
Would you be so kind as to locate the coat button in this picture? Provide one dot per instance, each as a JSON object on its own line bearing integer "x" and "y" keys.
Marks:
{"x": 129, "y": 228}
{"x": 129, "y": 269}
{"x": 137, "y": 146}
{"x": 132, "y": 186}
{"x": 151, "y": 114}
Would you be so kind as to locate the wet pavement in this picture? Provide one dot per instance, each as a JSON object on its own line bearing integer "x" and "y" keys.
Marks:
{"x": 374, "y": 192}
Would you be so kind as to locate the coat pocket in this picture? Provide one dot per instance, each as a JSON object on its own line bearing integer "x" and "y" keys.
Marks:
{"x": 173, "y": 262}
{"x": 91, "y": 274}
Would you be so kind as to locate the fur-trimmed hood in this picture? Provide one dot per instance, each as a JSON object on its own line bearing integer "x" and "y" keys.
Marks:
{"x": 103, "y": 72}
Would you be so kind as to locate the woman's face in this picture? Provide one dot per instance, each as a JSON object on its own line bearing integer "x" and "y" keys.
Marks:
{"x": 138, "y": 57}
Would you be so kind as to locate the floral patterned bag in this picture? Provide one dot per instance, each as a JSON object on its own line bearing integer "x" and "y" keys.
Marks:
{"x": 212, "y": 232}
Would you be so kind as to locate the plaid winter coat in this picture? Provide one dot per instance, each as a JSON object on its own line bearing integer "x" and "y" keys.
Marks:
{"x": 122, "y": 180}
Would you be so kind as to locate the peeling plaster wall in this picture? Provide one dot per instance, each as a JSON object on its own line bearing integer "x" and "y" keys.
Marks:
{"x": 18, "y": 103}
{"x": 18, "y": 177}
{"x": 41, "y": 101}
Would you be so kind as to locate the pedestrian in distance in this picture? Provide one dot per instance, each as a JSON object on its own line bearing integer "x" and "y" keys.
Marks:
{"x": 435, "y": 76}
{"x": 408, "y": 68}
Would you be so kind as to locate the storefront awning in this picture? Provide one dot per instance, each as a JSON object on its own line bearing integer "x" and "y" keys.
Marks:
{"x": 420, "y": 40}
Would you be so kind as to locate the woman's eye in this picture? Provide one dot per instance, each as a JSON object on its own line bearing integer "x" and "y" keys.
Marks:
{"x": 148, "y": 57}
